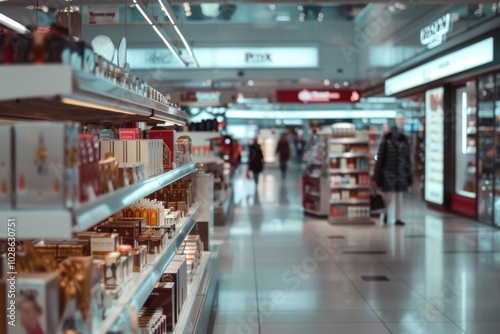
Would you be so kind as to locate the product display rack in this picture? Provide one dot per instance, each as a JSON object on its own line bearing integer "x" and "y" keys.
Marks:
{"x": 138, "y": 289}
{"x": 349, "y": 180}
{"x": 75, "y": 95}
{"x": 315, "y": 180}
{"x": 62, "y": 223}
{"x": 58, "y": 92}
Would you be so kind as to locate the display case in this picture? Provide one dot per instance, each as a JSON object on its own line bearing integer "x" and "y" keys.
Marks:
{"x": 349, "y": 180}
{"x": 463, "y": 199}
{"x": 315, "y": 190}
{"x": 486, "y": 147}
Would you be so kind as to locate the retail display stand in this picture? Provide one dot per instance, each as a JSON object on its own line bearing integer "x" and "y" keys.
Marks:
{"x": 315, "y": 189}
{"x": 349, "y": 180}
{"x": 62, "y": 93}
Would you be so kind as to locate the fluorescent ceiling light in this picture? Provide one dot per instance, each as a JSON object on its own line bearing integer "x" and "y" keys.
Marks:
{"x": 139, "y": 7}
{"x": 83, "y": 104}
{"x": 169, "y": 46}
{"x": 12, "y": 24}
{"x": 165, "y": 10}
{"x": 283, "y": 18}
{"x": 310, "y": 114}
{"x": 186, "y": 44}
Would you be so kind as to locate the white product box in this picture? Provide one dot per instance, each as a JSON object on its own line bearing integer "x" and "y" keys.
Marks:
{"x": 119, "y": 150}
{"x": 6, "y": 168}
{"x": 106, "y": 146}
{"x": 37, "y": 303}
{"x": 132, "y": 148}
{"x": 43, "y": 175}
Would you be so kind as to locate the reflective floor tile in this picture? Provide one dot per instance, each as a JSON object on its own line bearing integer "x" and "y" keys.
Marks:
{"x": 428, "y": 314}
{"x": 311, "y": 317}
{"x": 424, "y": 327}
{"x": 480, "y": 327}
{"x": 353, "y": 328}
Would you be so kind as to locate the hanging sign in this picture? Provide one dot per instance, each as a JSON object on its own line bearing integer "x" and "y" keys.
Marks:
{"x": 435, "y": 33}
{"x": 103, "y": 15}
{"x": 317, "y": 96}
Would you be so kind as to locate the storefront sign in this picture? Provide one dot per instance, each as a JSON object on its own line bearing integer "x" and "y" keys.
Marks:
{"x": 103, "y": 15}
{"x": 317, "y": 96}
{"x": 203, "y": 97}
{"x": 434, "y": 148}
{"x": 238, "y": 58}
{"x": 472, "y": 56}
{"x": 435, "y": 33}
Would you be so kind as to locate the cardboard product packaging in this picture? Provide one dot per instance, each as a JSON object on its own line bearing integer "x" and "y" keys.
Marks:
{"x": 163, "y": 296}
{"x": 129, "y": 230}
{"x": 36, "y": 298}
{"x": 105, "y": 148}
{"x": 168, "y": 137}
{"x": 6, "y": 167}
{"x": 43, "y": 176}
{"x": 120, "y": 150}
{"x": 73, "y": 247}
{"x": 129, "y": 133}
{"x": 103, "y": 243}
{"x": 179, "y": 261}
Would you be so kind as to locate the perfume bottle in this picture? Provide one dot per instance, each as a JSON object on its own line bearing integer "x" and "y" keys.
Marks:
{"x": 153, "y": 216}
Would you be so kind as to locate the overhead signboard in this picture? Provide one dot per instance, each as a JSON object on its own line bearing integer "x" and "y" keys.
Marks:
{"x": 317, "y": 96}
{"x": 435, "y": 33}
{"x": 103, "y": 15}
{"x": 467, "y": 58}
{"x": 203, "y": 97}
{"x": 238, "y": 58}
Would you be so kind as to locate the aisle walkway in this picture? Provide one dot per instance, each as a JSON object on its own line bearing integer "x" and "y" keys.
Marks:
{"x": 281, "y": 272}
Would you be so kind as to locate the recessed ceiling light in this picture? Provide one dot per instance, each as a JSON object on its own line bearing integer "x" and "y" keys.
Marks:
{"x": 301, "y": 19}
{"x": 336, "y": 85}
{"x": 250, "y": 83}
{"x": 392, "y": 9}
{"x": 300, "y": 8}
{"x": 346, "y": 83}
{"x": 320, "y": 19}
{"x": 272, "y": 6}
{"x": 188, "y": 14}
{"x": 326, "y": 82}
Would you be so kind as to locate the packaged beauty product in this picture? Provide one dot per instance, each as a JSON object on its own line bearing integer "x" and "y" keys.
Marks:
{"x": 112, "y": 270}
{"x": 126, "y": 257}
{"x": 103, "y": 243}
{"x": 163, "y": 296}
{"x": 36, "y": 303}
{"x": 138, "y": 259}
{"x": 168, "y": 137}
{"x": 129, "y": 133}
{"x": 69, "y": 248}
{"x": 43, "y": 176}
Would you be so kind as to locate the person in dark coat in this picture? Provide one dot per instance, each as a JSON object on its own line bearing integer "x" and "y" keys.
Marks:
{"x": 283, "y": 150}
{"x": 393, "y": 172}
{"x": 256, "y": 161}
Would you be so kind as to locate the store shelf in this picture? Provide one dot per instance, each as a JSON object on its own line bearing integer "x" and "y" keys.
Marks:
{"x": 62, "y": 223}
{"x": 314, "y": 212}
{"x": 313, "y": 193}
{"x": 318, "y": 176}
{"x": 198, "y": 136}
{"x": 350, "y": 221}
{"x": 348, "y": 171}
{"x": 207, "y": 160}
{"x": 201, "y": 293}
{"x": 348, "y": 141}
{"x": 74, "y": 95}
{"x": 351, "y": 186}
{"x": 467, "y": 194}
{"x": 348, "y": 155}
{"x": 138, "y": 289}
{"x": 349, "y": 201}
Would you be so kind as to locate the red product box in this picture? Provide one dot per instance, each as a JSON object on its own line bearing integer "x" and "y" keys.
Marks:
{"x": 129, "y": 133}
{"x": 163, "y": 296}
{"x": 168, "y": 137}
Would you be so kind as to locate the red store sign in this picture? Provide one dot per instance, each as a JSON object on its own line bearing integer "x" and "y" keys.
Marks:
{"x": 317, "y": 96}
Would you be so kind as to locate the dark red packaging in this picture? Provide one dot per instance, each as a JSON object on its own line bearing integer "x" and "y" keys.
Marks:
{"x": 168, "y": 137}
{"x": 163, "y": 296}
{"x": 129, "y": 133}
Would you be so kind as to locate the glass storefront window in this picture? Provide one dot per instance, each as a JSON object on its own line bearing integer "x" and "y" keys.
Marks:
{"x": 465, "y": 163}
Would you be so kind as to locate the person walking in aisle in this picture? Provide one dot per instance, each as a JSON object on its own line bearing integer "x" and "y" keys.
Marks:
{"x": 256, "y": 161}
{"x": 393, "y": 172}
{"x": 283, "y": 150}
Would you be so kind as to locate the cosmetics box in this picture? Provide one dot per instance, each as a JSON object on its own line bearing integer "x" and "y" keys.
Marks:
{"x": 44, "y": 160}
{"x": 36, "y": 301}
{"x": 168, "y": 137}
{"x": 172, "y": 274}
{"x": 103, "y": 243}
{"x": 105, "y": 148}
{"x": 179, "y": 261}
{"x": 163, "y": 296}
{"x": 113, "y": 270}
{"x": 21, "y": 48}
{"x": 70, "y": 248}
{"x": 6, "y": 167}
{"x": 129, "y": 133}
{"x": 120, "y": 150}
{"x": 47, "y": 247}
{"x": 128, "y": 230}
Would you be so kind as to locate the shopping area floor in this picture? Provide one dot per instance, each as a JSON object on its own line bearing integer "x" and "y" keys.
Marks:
{"x": 283, "y": 272}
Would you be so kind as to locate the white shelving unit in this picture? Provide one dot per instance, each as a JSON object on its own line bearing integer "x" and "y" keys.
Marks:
{"x": 58, "y": 92}
{"x": 33, "y": 224}
{"x": 315, "y": 189}
{"x": 349, "y": 174}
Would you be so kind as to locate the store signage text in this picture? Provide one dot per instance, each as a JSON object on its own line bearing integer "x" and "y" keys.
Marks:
{"x": 317, "y": 96}
{"x": 258, "y": 58}
{"x": 435, "y": 33}
{"x": 103, "y": 15}
{"x": 234, "y": 58}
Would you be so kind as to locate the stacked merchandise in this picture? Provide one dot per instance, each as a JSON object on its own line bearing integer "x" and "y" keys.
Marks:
{"x": 349, "y": 177}
{"x": 192, "y": 249}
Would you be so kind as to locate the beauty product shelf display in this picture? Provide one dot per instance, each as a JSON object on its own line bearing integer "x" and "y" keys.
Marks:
{"x": 315, "y": 180}
{"x": 349, "y": 180}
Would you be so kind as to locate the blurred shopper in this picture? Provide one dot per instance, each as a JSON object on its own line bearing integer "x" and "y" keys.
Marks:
{"x": 255, "y": 161}
{"x": 283, "y": 150}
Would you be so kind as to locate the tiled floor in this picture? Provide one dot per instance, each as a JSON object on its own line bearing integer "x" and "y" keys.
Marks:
{"x": 281, "y": 272}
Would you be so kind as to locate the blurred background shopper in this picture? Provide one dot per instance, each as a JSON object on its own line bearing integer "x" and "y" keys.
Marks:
{"x": 256, "y": 161}
{"x": 283, "y": 150}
